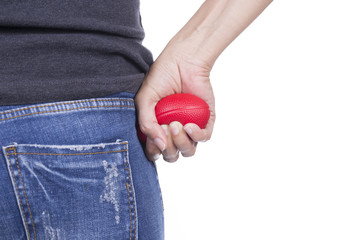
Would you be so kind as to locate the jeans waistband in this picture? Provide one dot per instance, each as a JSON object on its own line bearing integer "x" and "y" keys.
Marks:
{"x": 118, "y": 100}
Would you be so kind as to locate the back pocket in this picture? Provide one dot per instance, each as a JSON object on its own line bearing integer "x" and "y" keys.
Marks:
{"x": 73, "y": 191}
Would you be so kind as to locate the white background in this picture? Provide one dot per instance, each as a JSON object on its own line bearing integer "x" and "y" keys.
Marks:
{"x": 284, "y": 159}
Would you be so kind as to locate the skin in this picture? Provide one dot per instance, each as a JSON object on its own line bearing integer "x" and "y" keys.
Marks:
{"x": 184, "y": 66}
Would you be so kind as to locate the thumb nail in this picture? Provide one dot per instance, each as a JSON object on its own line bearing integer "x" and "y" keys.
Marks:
{"x": 188, "y": 130}
{"x": 160, "y": 144}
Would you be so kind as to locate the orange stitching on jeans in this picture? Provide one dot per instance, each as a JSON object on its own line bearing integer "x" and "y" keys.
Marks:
{"x": 65, "y": 154}
{"x": 62, "y": 110}
{"x": 127, "y": 187}
{"x": 72, "y": 102}
{"x": 27, "y": 202}
{"x": 13, "y": 148}
{"x": 17, "y": 190}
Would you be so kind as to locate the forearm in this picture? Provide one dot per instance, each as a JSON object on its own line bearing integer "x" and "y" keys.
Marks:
{"x": 184, "y": 66}
{"x": 215, "y": 25}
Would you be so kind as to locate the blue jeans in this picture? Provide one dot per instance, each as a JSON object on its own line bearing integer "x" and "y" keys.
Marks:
{"x": 76, "y": 170}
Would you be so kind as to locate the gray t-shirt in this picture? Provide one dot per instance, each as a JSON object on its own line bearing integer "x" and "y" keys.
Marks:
{"x": 65, "y": 50}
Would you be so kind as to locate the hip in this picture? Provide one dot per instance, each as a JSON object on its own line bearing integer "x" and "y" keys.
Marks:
{"x": 76, "y": 170}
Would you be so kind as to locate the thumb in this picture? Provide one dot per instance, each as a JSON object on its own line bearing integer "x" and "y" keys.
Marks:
{"x": 146, "y": 101}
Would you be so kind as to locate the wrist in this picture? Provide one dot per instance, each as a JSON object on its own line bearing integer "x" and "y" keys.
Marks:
{"x": 199, "y": 40}
{"x": 214, "y": 26}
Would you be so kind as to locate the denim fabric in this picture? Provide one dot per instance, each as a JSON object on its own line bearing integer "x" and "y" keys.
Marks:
{"x": 76, "y": 170}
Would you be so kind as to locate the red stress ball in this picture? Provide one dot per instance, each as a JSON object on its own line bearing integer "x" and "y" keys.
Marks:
{"x": 182, "y": 107}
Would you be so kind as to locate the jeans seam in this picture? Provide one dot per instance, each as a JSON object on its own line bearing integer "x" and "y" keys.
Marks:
{"x": 131, "y": 203}
{"x": 71, "y": 102}
{"x": 127, "y": 187}
{"x": 65, "y": 154}
{"x": 17, "y": 190}
{"x": 27, "y": 202}
{"x": 64, "y": 110}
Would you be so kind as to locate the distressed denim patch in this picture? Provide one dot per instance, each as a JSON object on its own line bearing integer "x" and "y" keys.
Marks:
{"x": 57, "y": 184}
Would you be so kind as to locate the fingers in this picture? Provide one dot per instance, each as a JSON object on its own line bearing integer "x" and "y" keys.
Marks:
{"x": 145, "y": 102}
{"x": 171, "y": 153}
{"x": 152, "y": 151}
{"x": 178, "y": 142}
{"x": 196, "y": 133}
{"x": 201, "y": 135}
{"x": 181, "y": 140}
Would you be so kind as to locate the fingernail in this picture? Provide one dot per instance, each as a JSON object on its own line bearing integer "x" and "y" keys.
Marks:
{"x": 188, "y": 130}
{"x": 165, "y": 129}
{"x": 174, "y": 130}
{"x": 156, "y": 157}
{"x": 160, "y": 144}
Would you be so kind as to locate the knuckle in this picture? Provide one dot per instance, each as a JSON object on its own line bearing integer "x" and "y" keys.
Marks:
{"x": 206, "y": 137}
{"x": 188, "y": 154}
{"x": 205, "y": 140}
{"x": 171, "y": 157}
{"x": 155, "y": 157}
{"x": 145, "y": 127}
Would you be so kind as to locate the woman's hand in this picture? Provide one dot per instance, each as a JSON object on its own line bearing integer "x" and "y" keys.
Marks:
{"x": 184, "y": 67}
{"x": 173, "y": 72}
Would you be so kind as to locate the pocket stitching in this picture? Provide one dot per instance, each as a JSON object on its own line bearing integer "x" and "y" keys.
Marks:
{"x": 129, "y": 184}
{"x": 17, "y": 190}
{"x": 64, "y": 110}
{"x": 47, "y": 105}
{"x": 69, "y": 154}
